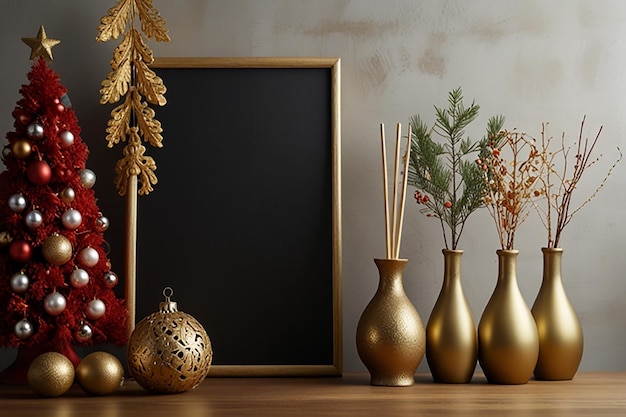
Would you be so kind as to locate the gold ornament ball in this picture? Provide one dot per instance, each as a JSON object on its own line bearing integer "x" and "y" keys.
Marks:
{"x": 57, "y": 249}
{"x": 51, "y": 374}
{"x": 169, "y": 351}
{"x": 5, "y": 239}
{"x": 99, "y": 373}
{"x": 21, "y": 149}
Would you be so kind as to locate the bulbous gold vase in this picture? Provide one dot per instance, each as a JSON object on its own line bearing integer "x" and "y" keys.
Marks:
{"x": 451, "y": 337}
{"x": 508, "y": 343}
{"x": 390, "y": 336}
{"x": 560, "y": 332}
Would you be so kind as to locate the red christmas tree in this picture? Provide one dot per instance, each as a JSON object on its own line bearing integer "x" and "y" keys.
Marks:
{"x": 56, "y": 282}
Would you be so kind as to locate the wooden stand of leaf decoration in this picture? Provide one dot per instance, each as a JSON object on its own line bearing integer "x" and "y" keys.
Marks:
{"x": 133, "y": 121}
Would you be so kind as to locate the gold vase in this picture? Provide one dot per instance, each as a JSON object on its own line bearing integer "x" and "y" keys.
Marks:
{"x": 508, "y": 344}
{"x": 451, "y": 338}
{"x": 390, "y": 335}
{"x": 560, "y": 333}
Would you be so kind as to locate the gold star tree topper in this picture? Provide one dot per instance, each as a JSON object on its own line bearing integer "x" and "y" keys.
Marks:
{"x": 41, "y": 45}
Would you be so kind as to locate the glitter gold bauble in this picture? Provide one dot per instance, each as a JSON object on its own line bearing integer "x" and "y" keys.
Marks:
{"x": 51, "y": 374}
{"x": 99, "y": 373}
{"x": 169, "y": 351}
{"x": 57, "y": 249}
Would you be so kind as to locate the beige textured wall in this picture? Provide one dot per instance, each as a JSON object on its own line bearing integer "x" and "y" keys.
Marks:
{"x": 532, "y": 61}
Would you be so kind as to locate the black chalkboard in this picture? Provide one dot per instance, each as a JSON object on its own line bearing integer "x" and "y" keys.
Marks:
{"x": 244, "y": 223}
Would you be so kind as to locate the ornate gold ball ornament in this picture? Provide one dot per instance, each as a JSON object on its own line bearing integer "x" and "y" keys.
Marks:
{"x": 100, "y": 373}
{"x": 57, "y": 249}
{"x": 51, "y": 374}
{"x": 169, "y": 351}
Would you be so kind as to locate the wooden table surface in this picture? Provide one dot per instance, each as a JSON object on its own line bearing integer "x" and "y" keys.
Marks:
{"x": 589, "y": 395}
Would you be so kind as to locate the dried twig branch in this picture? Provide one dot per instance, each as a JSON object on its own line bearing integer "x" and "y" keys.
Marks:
{"x": 558, "y": 185}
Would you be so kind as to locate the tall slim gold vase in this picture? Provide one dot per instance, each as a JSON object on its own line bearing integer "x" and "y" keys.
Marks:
{"x": 508, "y": 343}
{"x": 560, "y": 332}
{"x": 390, "y": 336}
{"x": 451, "y": 338}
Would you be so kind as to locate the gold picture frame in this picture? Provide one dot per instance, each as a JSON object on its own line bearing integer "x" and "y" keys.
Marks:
{"x": 305, "y": 92}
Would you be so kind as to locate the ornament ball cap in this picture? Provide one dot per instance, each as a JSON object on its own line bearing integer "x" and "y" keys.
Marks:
{"x": 168, "y": 306}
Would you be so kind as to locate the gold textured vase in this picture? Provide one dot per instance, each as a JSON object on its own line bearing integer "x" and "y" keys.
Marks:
{"x": 560, "y": 332}
{"x": 508, "y": 344}
{"x": 390, "y": 336}
{"x": 451, "y": 338}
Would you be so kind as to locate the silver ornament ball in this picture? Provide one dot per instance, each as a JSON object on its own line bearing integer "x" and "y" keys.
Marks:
{"x": 84, "y": 332}
{"x": 71, "y": 219}
{"x": 34, "y": 131}
{"x": 19, "y": 283}
{"x": 95, "y": 309}
{"x": 33, "y": 219}
{"x": 23, "y": 329}
{"x": 89, "y": 257}
{"x": 17, "y": 203}
{"x": 54, "y": 303}
{"x": 110, "y": 279}
{"x": 67, "y": 138}
{"x": 79, "y": 278}
{"x": 87, "y": 178}
{"x": 102, "y": 224}
{"x": 68, "y": 195}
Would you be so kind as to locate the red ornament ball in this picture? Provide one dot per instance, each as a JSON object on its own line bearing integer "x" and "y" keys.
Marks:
{"x": 20, "y": 251}
{"x": 21, "y": 116}
{"x": 60, "y": 108}
{"x": 39, "y": 173}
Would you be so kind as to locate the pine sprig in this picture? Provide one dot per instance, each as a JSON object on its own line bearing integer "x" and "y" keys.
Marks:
{"x": 449, "y": 182}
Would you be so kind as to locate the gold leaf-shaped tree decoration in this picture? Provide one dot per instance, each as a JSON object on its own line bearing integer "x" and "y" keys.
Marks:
{"x": 133, "y": 121}
{"x": 152, "y": 24}
{"x": 139, "y": 165}
{"x": 132, "y": 78}
{"x": 115, "y": 22}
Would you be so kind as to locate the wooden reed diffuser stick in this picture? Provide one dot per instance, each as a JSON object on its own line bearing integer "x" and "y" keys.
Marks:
{"x": 385, "y": 192}
{"x": 403, "y": 194}
{"x": 394, "y": 218}
{"x": 394, "y": 209}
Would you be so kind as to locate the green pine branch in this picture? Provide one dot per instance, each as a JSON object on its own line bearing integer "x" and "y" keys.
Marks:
{"x": 447, "y": 173}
